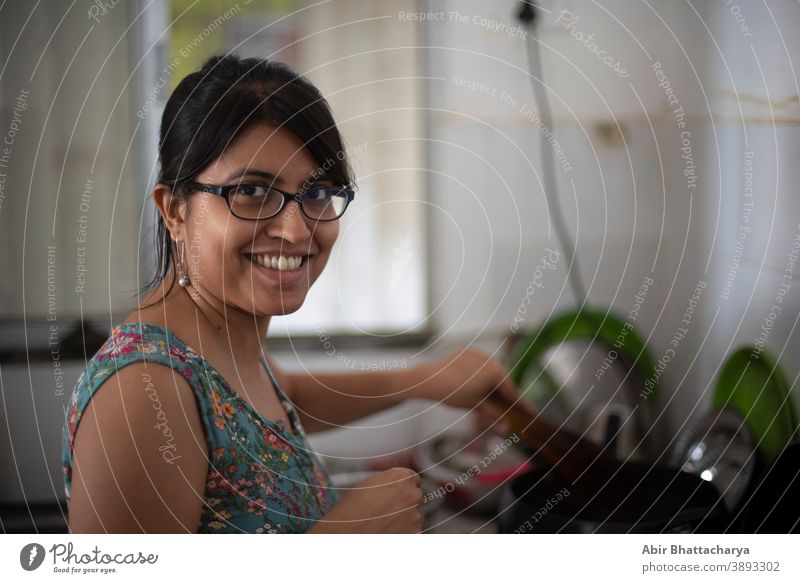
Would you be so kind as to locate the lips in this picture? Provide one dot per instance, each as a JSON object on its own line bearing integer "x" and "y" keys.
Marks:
{"x": 282, "y": 262}
{"x": 281, "y": 274}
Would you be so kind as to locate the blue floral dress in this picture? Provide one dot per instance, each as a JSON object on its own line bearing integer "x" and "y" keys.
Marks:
{"x": 261, "y": 477}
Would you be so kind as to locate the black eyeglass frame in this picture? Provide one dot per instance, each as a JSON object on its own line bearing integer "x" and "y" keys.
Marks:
{"x": 287, "y": 196}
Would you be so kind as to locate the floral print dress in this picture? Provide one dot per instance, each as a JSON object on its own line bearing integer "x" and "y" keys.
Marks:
{"x": 261, "y": 477}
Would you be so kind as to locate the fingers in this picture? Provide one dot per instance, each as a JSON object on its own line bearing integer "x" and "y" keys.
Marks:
{"x": 415, "y": 499}
{"x": 403, "y": 473}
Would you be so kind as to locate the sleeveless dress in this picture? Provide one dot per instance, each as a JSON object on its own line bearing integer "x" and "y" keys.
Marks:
{"x": 261, "y": 477}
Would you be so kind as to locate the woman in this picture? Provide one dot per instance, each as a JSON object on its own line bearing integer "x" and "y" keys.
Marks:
{"x": 197, "y": 429}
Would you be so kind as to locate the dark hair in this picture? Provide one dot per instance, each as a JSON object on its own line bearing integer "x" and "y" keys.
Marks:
{"x": 210, "y": 108}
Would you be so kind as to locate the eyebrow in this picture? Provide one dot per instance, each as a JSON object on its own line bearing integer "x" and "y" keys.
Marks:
{"x": 249, "y": 172}
{"x": 270, "y": 176}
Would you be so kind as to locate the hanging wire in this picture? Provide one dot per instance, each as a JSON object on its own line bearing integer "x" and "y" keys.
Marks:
{"x": 527, "y": 15}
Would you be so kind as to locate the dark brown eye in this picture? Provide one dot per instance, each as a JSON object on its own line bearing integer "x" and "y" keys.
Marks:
{"x": 250, "y": 190}
{"x": 327, "y": 202}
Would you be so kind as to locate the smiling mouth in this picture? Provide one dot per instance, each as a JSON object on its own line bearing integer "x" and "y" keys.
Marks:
{"x": 279, "y": 262}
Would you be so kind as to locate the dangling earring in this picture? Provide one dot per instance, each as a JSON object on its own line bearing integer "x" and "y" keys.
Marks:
{"x": 183, "y": 279}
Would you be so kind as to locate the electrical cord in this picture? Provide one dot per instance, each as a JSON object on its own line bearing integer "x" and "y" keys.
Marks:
{"x": 527, "y": 15}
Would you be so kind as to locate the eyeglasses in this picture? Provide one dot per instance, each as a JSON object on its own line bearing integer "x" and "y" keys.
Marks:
{"x": 258, "y": 201}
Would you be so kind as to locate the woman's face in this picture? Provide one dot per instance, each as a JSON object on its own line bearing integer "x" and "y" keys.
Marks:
{"x": 224, "y": 254}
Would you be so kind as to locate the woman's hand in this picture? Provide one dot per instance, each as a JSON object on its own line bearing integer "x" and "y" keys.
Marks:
{"x": 465, "y": 378}
{"x": 390, "y": 501}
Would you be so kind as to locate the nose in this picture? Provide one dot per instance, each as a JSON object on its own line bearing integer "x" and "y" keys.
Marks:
{"x": 290, "y": 224}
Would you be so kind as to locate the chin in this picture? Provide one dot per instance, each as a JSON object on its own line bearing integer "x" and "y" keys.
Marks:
{"x": 285, "y": 310}
{"x": 278, "y": 308}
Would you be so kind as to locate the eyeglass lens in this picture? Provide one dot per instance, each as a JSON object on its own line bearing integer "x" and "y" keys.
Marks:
{"x": 256, "y": 201}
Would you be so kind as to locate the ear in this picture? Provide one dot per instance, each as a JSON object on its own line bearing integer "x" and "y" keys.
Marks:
{"x": 172, "y": 209}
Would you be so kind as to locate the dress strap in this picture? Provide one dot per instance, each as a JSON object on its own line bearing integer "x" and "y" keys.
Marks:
{"x": 272, "y": 378}
{"x": 284, "y": 399}
{"x": 294, "y": 418}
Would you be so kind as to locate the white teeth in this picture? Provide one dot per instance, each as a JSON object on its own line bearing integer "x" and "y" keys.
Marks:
{"x": 281, "y": 262}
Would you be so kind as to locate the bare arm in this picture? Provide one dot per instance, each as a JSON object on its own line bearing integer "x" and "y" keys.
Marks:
{"x": 326, "y": 400}
{"x": 463, "y": 378}
{"x": 139, "y": 456}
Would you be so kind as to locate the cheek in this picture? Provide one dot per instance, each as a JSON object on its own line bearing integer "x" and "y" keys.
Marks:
{"x": 205, "y": 264}
{"x": 327, "y": 236}
{"x": 215, "y": 253}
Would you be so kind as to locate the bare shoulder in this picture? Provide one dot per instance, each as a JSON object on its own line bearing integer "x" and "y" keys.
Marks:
{"x": 139, "y": 455}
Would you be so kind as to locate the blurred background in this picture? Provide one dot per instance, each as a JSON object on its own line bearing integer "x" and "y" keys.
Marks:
{"x": 673, "y": 143}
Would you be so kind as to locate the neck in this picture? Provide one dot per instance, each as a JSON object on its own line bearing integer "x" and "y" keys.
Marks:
{"x": 216, "y": 325}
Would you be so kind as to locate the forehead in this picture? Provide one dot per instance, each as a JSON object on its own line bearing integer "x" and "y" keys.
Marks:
{"x": 265, "y": 148}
